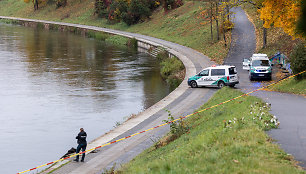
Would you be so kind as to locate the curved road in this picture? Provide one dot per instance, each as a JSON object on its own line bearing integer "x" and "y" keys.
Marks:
{"x": 288, "y": 108}
{"x": 182, "y": 101}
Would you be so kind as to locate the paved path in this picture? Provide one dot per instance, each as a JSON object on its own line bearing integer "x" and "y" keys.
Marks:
{"x": 291, "y": 134}
{"x": 181, "y": 101}
{"x": 288, "y": 108}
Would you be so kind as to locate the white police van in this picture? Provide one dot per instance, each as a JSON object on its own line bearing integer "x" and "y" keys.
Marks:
{"x": 259, "y": 67}
{"x": 216, "y": 76}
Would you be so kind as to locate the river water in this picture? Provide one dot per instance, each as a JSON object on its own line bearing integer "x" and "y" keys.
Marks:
{"x": 53, "y": 83}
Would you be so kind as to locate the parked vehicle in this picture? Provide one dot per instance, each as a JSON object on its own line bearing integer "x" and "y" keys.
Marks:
{"x": 246, "y": 64}
{"x": 260, "y": 67}
{"x": 216, "y": 76}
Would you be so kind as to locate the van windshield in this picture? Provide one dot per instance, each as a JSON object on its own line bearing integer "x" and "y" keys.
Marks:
{"x": 260, "y": 63}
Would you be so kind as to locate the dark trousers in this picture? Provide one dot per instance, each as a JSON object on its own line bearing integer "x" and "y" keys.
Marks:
{"x": 83, "y": 147}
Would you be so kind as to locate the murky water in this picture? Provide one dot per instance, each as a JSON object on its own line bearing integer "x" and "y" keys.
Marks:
{"x": 53, "y": 83}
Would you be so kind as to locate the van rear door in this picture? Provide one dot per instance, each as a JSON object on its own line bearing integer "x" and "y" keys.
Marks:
{"x": 233, "y": 76}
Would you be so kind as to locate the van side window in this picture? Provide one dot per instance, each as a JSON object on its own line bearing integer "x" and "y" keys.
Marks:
{"x": 204, "y": 72}
{"x": 218, "y": 72}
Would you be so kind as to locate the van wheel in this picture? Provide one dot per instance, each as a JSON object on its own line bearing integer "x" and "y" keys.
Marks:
{"x": 221, "y": 84}
{"x": 193, "y": 84}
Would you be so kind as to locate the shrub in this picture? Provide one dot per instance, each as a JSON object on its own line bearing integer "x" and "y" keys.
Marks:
{"x": 298, "y": 61}
{"x": 138, "y": 10}
{"x": 117, "y": 9}
{"x": 162, "y": 55}
{"x": 170, "y": 66}
{"x": 172, "y": 69}
{"x": 132, "y": 43}
{"x": 128, "y": 11}
{"x": 171, "y": 4}
{"x": 61, "y": 3}
{"x": 101, "y": 8}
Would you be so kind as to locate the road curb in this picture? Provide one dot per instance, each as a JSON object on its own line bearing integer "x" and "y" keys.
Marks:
{"x": 131, "y": 123}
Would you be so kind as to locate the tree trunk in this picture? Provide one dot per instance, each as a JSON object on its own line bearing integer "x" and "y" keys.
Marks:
{"x": 264, "y": 43}
{"x": 35, "y": 4}
{"x": 211, "y": 22}
{"x": 217, "y": 20}
{"x": 227, "y": 10}
{"x": 223, "y": 21}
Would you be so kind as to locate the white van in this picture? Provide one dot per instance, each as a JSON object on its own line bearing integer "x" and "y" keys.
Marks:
{"x": 216, "y": 76}
{"x": 260, "y": 67}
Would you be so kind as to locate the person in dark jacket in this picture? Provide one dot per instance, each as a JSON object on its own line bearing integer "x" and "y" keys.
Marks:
{"x": 82, "y": 143}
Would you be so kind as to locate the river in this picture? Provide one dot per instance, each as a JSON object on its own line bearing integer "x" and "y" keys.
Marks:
{"x": 53, "y": 83}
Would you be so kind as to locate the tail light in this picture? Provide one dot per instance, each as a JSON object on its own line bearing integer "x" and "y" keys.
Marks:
{"x": 227, "y": 77}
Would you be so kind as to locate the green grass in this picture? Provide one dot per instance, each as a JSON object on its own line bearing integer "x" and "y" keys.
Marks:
{"x": 182, "y": 25}
{"x": 214, "y": 146}
{"x": 291, "y": 86}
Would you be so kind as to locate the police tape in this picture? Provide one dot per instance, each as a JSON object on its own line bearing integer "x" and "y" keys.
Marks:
{"x": 112, "y": 142}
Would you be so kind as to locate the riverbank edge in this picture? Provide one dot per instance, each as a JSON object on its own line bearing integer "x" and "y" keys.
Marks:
{"x": 129, "y": 124}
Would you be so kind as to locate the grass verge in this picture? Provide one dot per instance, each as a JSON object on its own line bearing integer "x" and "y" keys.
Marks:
{"x": 183, "y": 25}
{"x": 290, "y": 86}
{"x": 226, "y": 139}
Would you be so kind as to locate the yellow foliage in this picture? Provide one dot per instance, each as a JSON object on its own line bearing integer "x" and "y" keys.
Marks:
{"x": 26, "y": 1}
{"x": 281, "y": 13}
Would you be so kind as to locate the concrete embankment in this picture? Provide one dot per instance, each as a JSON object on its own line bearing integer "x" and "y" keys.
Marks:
{"x": 181, "y": 101}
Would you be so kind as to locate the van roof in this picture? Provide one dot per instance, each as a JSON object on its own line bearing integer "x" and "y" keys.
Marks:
{"x": 259, "y": 55}
{"x": 221, "y": 66}
{"x": 260, "y": 58}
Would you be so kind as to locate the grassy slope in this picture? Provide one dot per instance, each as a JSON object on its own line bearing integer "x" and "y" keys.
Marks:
{"x": 291, "y": 86}
{"x": 181, "y": 25}
{"x": 210, "y": 147}
{"x": 277, "y": 40}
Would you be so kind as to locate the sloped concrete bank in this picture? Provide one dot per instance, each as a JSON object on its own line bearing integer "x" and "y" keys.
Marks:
{"x": 181, "y": 101}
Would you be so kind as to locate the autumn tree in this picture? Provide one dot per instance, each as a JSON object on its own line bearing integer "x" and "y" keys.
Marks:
{"x": 217, "y": 11}
{"x": 281, "y": 13}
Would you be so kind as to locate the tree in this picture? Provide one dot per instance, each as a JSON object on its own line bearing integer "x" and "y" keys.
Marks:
{"x": 281, "y": 13}
{"x": 36, "y": 3}
{"x": 301, "y": 26}
{"x": 217, "y": 19}
{"x": 298, "y": 61}
{"x": 218, "y": 9}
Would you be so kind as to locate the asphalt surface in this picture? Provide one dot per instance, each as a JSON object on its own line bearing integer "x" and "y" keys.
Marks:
{"x": 288, "y": 108}
{"x": 120, "y": 153}
{"x": 291, "y": 134}
{"x": 180, "y": 102}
